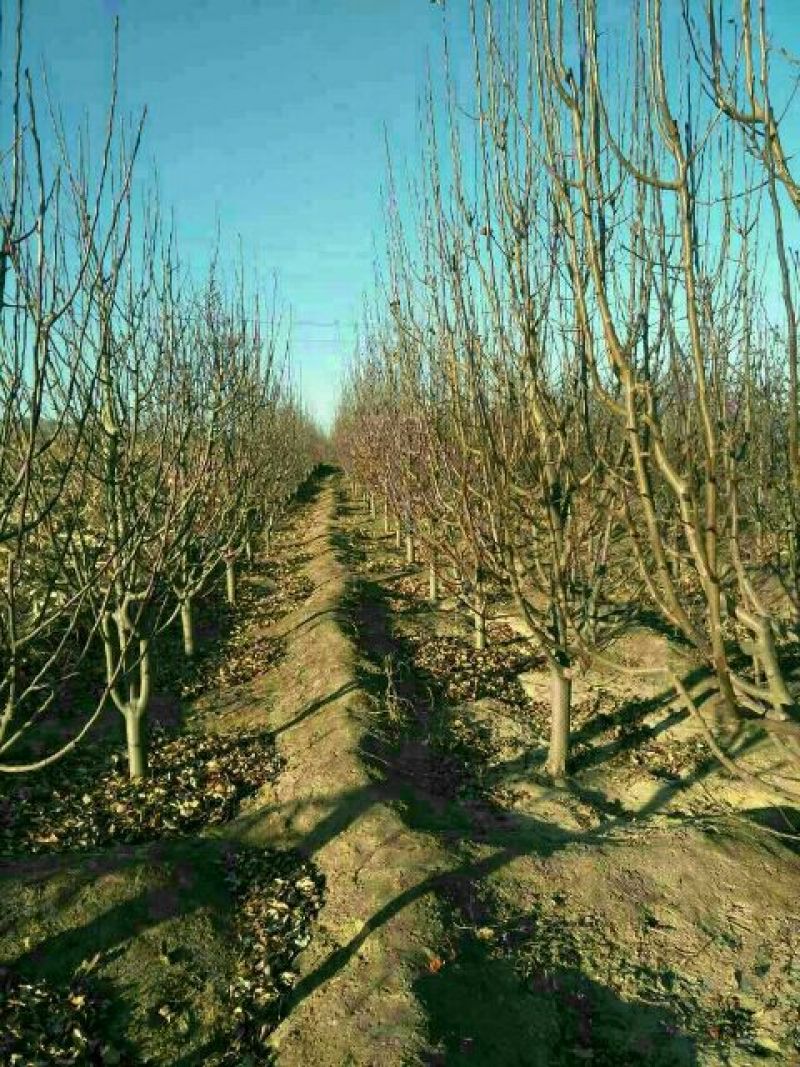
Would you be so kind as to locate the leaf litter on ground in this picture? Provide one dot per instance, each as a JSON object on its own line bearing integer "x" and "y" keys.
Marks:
{"x": 194, "y": 780}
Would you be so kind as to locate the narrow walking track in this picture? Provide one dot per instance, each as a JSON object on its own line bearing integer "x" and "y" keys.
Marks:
{"x": 354, "y": 1002}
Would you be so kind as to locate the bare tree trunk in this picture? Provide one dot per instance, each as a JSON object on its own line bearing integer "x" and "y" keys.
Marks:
{"x": 230, "y": 580}
{"x": 561, "y": 699}
{"x": 187, "y": 627}
{"x": 372, "y": 505}
{"x": 386, "y": 524}
{"x": 433, "y": 582}
{"x": 398, "y": 536}
{"x": 248, "y": 548}
{"x": 134, "y": 734}
{"x": 479, "y": 618}
{"x": 676, "y": 543}
{"x": 410, "y": 549}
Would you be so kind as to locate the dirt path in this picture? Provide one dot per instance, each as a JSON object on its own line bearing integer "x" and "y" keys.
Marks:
{"x": 354, "y": 1002}
{"x": 457, "y": 930}
{"x": 473, "y": 913}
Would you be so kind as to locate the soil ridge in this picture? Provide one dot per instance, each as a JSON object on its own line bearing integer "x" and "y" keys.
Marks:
{"x": 354, "y": 1001}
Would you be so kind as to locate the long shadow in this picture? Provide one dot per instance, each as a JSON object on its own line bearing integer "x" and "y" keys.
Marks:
{"x": 189, "y": 880}
{"x": 309, "y": 491}
{"x": 179, "y": 889}
{"x": 347, "y": 553}
{"x": 483, "y": 1010}
{"x": 629, "y": 720}
{"x": 308, "y": 620}
{"x": 58, "y": 956}
{"x": 450, "y": 996}
{"x": 299, "y": 546}
{"x": 316, "y": 706}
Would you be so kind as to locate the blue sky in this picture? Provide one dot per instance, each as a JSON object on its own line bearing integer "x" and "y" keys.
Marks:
{"x": 269, "y": 116}
{"x": 266, "y": 114}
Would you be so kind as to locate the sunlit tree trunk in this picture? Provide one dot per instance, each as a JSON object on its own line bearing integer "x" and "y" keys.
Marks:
{"x": 561, "y": 700}
{"x": 187, "y": 627}
{"x": 230, "y": 579}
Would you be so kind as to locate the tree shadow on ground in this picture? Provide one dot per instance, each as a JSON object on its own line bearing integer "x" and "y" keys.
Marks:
{"x": 475, "y": 999}
{"x": 482, "y": 1010}
{"x": 309, "y": 491}
{"x": 109, "y": 905}
{"x": 477, "y": 1008}
{"x": 316, "y": 706}
{"x": 782, "y": 822}
{"x": 164, "y": 906}
{"x": 158, "y": 922}
{"x": 177, "y": 878}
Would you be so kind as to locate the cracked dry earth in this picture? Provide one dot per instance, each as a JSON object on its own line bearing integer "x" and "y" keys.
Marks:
{"x": 471, "y": 912}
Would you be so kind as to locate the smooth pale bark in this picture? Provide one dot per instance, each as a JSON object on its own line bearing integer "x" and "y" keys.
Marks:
{"x": 187, "y": 627}
{"x": 248, "y": 548}
{"x": 561, "y": 700}
{"x": 230, "y": 581}
{"x": 386, "y": 523}
{"x": 398, "y": 536}
{"x": 479, "y": 618}
{"x": 433, "y": 583}
{"x": 411, "y": 554}
{"x": 129, "y": 685}
{"x": 134, "y": 735}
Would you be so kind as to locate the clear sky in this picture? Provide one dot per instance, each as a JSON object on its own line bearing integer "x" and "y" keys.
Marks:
{"x": 266, "y": 114}
{"x": 269, "y": 116}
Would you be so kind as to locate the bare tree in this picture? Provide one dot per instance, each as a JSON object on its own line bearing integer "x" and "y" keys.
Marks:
{"x": 55, "y": 218}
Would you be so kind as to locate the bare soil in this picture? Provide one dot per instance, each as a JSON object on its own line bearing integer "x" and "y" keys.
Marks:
{"x": 642, "y": 912}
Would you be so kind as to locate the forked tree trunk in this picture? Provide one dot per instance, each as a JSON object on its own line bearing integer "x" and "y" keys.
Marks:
{"x": 561, "y": 700}
{"x": 187, "y": 627}
{"x": 230, "y": 580}
{"x": 134, "y": 679}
